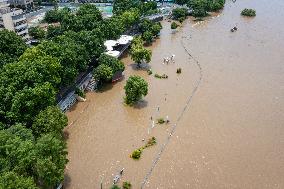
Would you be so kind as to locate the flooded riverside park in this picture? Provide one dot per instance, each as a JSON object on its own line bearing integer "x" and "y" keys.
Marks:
{"x": 226, "y": 110}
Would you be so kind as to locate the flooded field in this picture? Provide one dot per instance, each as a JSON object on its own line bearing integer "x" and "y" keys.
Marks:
{"x": 228, "y": 130}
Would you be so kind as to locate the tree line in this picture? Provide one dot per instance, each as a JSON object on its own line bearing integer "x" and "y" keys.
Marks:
{"x": 33, "y": 151}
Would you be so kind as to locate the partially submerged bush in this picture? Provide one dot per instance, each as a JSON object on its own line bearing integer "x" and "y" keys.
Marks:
{"x": 248, "y": 12}
{"x": 151, "y": 142}
{"x": 161, "y": 121}
{"x": 126, "y": 185}
{"x": 149, "y": 72}
{"x": 115, "y": 187}
{"x": 80, "y": 92}
{"x": 179, "y": 70}
{"x": 174, "y": 25}
{"x": 164, "y": 76}
{"x": 136, "y": 154}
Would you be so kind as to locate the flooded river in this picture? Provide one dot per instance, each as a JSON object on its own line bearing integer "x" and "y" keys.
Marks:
{"x": 226, "y": 109}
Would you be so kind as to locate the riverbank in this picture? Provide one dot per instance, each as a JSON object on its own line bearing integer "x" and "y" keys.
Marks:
{"x": 230, "y": 137}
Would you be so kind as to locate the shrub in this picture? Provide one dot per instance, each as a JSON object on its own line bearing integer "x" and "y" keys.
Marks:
{"x": 164, "y": 76}
{"x": 149, "y": 72}
{"x": 126, "y": 185}
{"x": 161, "y": 121}
{"x": 179, "y": 70}
{"x": 174, "y": 25}
{"x": 151, "y": 142}
{"x": 115, "y": 187}
{"x": 136, "y": 154}
{"x": 80, "y": 92}
{"x": 179, "y": 13}
{"x": 248, "y": 12}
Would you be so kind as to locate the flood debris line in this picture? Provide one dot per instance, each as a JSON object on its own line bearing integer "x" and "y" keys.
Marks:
{"x": 136, "y": 154}
{"x": 174, "y": 126}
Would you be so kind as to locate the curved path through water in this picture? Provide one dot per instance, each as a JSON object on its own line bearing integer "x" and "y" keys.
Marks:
{"x": 174, "y": 126}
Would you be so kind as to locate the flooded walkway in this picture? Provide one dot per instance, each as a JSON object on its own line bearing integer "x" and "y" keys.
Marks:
{"x": 232, "y": 136}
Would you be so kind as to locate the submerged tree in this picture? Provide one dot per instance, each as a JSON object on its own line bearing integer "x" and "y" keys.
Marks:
{"x": 136, "y": 87}
{"x": 140, "y": 54}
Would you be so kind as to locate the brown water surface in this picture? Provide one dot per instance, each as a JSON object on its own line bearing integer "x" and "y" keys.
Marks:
{"x": 231, "y": 135}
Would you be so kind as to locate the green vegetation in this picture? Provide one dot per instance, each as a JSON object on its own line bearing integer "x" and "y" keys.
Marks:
{"x": 11, "y": 47}
{"x": 164, "y": 76}
{"x": 136, "y": 87}
{"x": 37, "y": 33}
{"x": 200, "y": 8}
{"x": 33, "y": 151}
{"x": 108, "y": 66}
{"x": 149, "y": 30}
{"x": 149, "y": 72}
{"x": 80, "y": 92}
{"x": 248, "y": 12}
{"x": 161, "y": 121}
{"x": 179, "y": 14}
{"x": 103, "y": 73}
{"x": 115, "y": 187}
{"x": 126, "y": 185}
{"x": 136, "y": 154}
{"x": 174, "y": 25}
{"x": 56, "y": 15}
{"x": 138, "y": 53}
{"x": 151, "y": 142}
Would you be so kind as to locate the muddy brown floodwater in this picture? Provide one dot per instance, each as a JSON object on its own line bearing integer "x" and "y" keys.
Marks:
{"x": 231, "y": 134}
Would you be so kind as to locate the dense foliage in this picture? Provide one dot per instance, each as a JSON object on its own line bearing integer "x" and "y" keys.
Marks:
{"x": 174, "y": 25}
{"x": 202, "y": 7}
{"x": 179, "y": 14}
{"x": 37, "y": 33}
{"x": 135, "y": 88}
{"x": 149, "y": 30}
{"x": 11, "y": 47}
{"x": 32, "y": 149}
{"x": 248, "y": 12}
{"x": 139, "y": 53}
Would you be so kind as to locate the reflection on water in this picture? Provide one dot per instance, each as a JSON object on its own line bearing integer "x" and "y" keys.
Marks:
{"x": 232, "y": 135}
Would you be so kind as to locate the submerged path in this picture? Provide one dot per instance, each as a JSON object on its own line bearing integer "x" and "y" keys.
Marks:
{"x": 174, "y": 126}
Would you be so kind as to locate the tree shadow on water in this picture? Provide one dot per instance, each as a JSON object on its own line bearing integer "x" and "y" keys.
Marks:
{"x": 140, "y": 104}
{"x": 67, "y": 181}
{"x": 143, "y": 67}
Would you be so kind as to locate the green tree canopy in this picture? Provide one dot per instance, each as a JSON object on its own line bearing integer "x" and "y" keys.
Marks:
{"x": 11, "y": 180}
{"x": 103, "y": 73}
{"x": 11, "y": 46}
{"x": 50, "y": 120}
{"x": 51, "y": 155}
{"x": 120, "y": 6}
{"x": 139, "y": 53}
{"x": 37, "y": 33}
{"x": 135, "y": 88}
{"x": 114, "y": 63}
